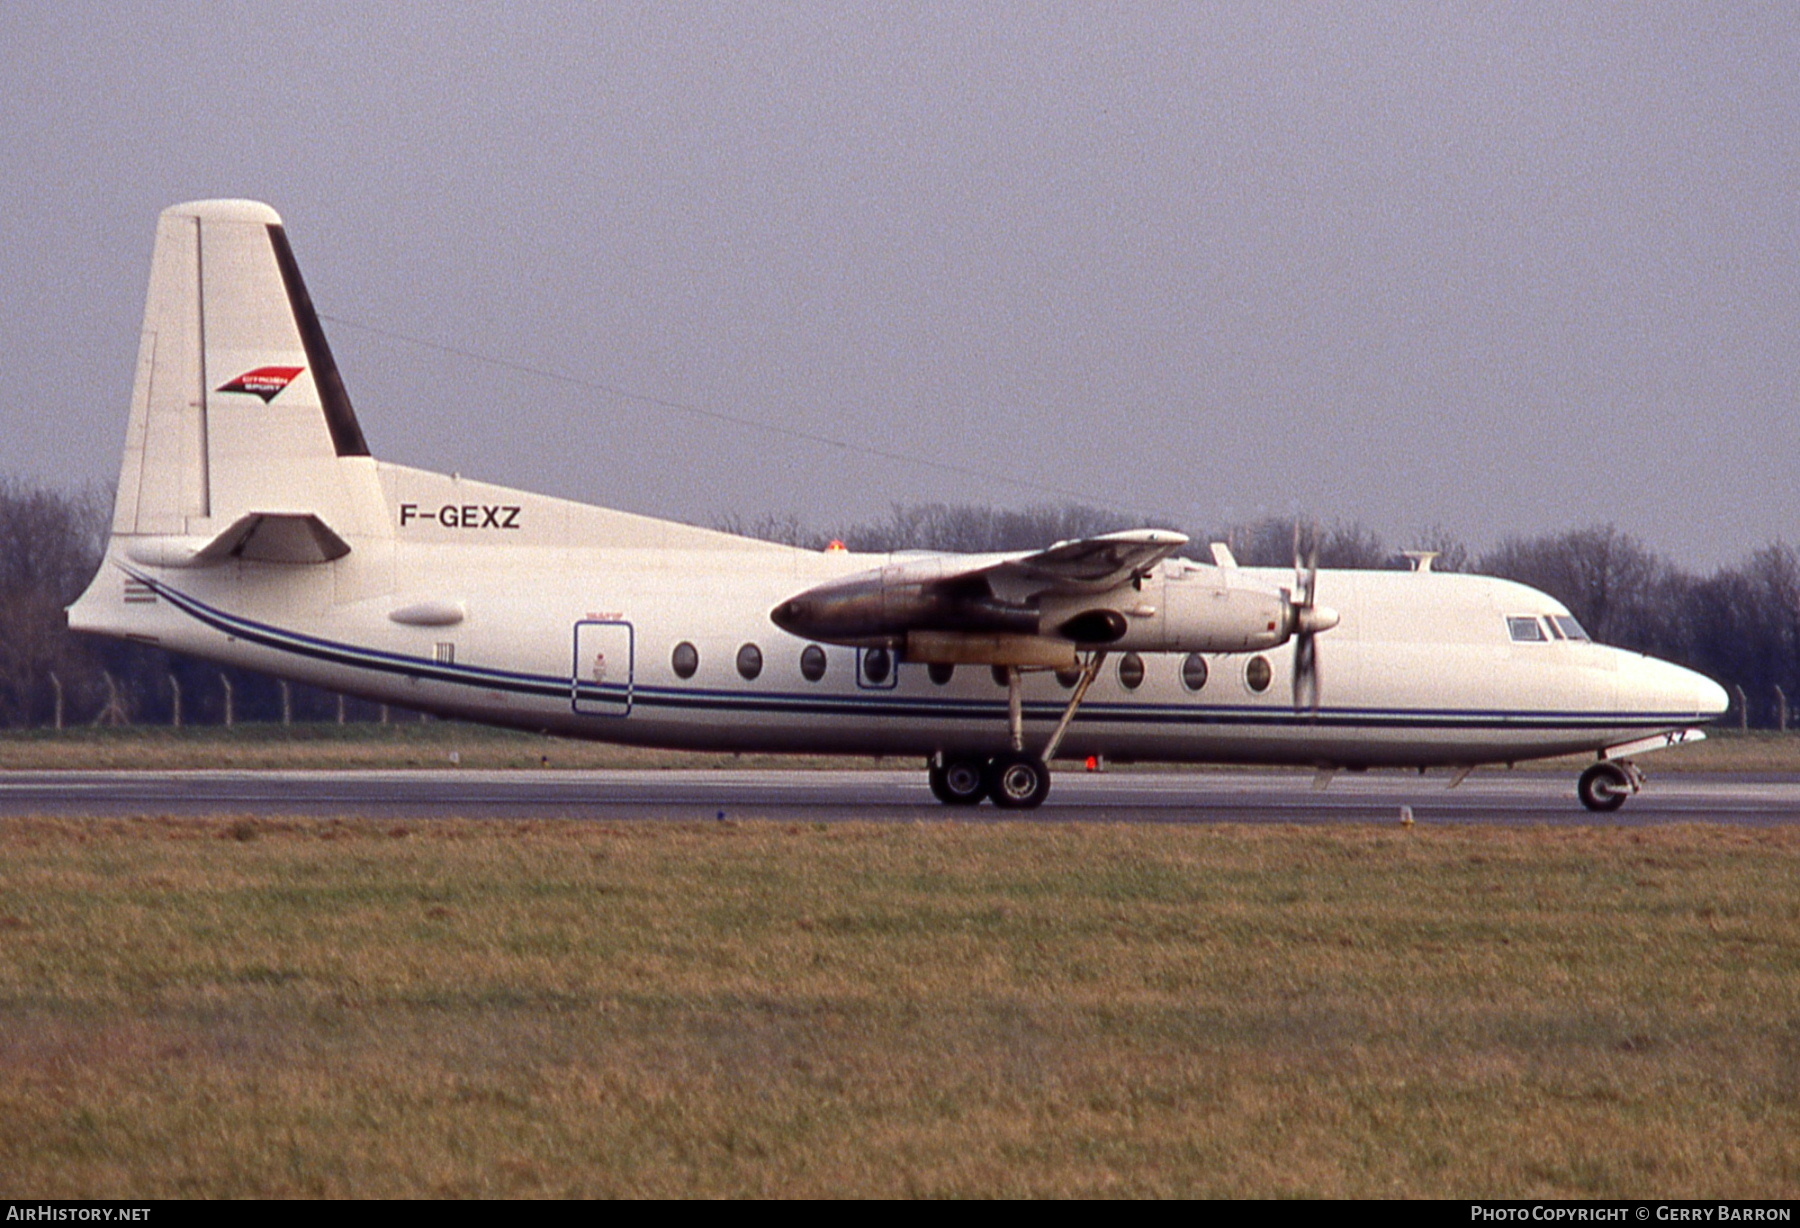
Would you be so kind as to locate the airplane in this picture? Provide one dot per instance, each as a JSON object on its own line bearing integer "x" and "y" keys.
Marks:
{"x": 253, "y": 527}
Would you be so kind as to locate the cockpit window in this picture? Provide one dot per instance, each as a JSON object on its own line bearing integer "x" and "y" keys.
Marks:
{"x": 1525, "y": 629}
{"x": 1569, "y": 627}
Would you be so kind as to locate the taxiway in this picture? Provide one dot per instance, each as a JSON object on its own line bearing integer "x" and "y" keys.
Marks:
{"x": 892, "y": 796}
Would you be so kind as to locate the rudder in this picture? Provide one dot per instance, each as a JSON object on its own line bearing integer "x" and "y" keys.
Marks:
{"x": 238, "y": 405}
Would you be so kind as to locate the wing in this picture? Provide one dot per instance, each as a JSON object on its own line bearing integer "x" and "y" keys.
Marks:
{"x": 1089, "y": 565}
{"x": 976, "y": 595}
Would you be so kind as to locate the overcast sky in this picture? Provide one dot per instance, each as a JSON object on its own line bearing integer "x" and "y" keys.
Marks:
{"x": 1506, "y": 268}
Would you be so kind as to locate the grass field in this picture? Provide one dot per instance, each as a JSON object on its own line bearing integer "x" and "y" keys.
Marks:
{"x": 248, "y": 1007}
{"x": 430, "y": 745}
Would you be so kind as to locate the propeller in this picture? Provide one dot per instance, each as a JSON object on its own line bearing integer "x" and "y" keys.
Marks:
{"x": 1306, "y": 619}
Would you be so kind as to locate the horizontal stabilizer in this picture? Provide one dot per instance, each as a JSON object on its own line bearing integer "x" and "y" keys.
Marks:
{"x": 259, "y": 537}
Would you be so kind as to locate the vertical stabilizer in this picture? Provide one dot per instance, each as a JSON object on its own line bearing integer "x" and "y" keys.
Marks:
{"x": 238, "y": 406}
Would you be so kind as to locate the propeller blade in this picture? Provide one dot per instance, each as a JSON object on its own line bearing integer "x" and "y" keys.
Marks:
{"x": 1306, "y": 563}
{"x": 1306, "y": 622}
{"x": 1301, "y": 597}
{"x": 1306, "y": 673}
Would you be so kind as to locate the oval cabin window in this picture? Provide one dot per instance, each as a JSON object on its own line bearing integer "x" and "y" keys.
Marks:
{"x": 878, "y": 663}
{"x": 1258, "y": 674}
{"x": 749, "y": 661}
{"x": 685, "y": 660}
{"x": 1131, "y": 671}
{"x": 812, "y": 663}
{"x": 1193, "y": 672}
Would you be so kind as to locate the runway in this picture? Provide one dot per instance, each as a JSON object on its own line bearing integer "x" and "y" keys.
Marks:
{"x": 889, "y": 796}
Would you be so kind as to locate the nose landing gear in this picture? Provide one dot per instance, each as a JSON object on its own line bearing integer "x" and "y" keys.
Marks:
{"x": 1606, "y": 784}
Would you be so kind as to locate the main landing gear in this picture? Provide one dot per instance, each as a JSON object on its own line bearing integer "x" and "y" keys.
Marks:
{"x": 1606, "y": 784}
{"x": 959, "y": 780}
{"x": 1015, "y": 779}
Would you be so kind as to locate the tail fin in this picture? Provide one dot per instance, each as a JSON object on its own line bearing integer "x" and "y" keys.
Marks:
{"x": 238, "y": 407}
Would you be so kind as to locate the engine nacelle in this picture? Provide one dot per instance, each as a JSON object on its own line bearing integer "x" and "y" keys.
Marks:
{"x": 949, "y": 609}
{"x": 1178, "y": 609}
{"x": 883, "y": 606}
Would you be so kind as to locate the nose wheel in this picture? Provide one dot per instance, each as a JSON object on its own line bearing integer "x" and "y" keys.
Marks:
{"x": 1606, "y": 784}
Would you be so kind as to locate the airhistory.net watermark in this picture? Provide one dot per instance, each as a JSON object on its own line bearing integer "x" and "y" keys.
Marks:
{"x": 50, "y": 1213}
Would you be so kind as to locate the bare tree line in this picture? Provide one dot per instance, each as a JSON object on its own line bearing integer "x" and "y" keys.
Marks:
{"x": 51, "y": 543}
{"x": 1740, "y": 624}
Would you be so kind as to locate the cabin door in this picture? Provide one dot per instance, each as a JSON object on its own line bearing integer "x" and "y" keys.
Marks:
{"x": 601, "y": 680}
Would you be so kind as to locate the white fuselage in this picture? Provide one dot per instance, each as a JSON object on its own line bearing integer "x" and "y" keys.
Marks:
{"x": 476, "y": 601}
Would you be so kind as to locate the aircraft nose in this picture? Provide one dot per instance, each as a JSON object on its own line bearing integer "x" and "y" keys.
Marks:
{"x": 1710, "y": 698}
{"x": 1659, "y": 686}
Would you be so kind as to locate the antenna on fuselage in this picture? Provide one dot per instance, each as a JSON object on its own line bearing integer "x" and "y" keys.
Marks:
{"x": 1421, "y": 559}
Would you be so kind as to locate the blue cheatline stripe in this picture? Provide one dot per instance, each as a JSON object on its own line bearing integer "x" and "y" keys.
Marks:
{"x": 889, "y": 704}
{"x": 338, "y": 653}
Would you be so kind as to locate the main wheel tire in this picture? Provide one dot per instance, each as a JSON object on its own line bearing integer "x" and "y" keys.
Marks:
{"x": 1603, "y": 787}
{"x": 960, "y": 781}
{"x": 1017, "y": 781}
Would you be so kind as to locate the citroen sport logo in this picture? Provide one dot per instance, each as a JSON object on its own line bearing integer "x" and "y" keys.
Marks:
{"x": 264, "y": 382}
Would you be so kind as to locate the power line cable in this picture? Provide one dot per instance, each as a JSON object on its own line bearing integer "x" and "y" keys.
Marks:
{"x": 701, "y": 411}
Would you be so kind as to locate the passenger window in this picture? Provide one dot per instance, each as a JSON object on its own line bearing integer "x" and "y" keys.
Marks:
{"x": 749, "y": 661}
{"x": 940, "y": 672}
{"x": 877, "y": 663}
{"x": 812, "y": 663}
{"x": 1193, "y": 672}
{"x": 1258, "y": 674}
{"x": 1525, "y": 629}
{"x": 685, "y": 660}
{"x": 1067, "y": 678}
{"x": 1131, "y": 671}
